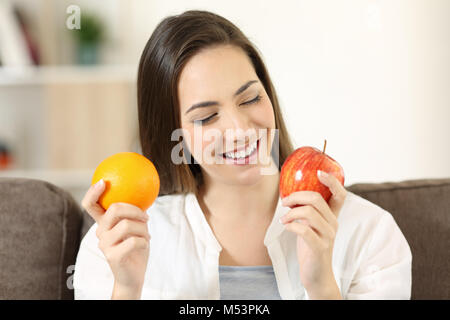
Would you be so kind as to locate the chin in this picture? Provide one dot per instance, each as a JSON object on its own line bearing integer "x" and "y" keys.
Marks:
{"x": 248, "y": 177}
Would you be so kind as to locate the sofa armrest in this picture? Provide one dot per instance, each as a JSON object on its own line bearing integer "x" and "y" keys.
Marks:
{"x": 421, "y": 209}
{"x": 39, "y": 239}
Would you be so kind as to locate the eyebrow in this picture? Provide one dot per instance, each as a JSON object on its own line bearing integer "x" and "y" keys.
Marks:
{"x": 213, "y": 103}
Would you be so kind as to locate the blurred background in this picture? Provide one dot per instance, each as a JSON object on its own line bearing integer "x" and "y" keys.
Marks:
{"x": 370, "y": 76}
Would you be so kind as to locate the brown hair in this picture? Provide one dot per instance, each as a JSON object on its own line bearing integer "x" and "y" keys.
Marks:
{"x": 176, "y": 39}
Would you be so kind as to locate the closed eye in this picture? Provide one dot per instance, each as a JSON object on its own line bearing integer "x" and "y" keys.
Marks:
{"x": 203, "y": 121}
{"x": 258, "y": 97}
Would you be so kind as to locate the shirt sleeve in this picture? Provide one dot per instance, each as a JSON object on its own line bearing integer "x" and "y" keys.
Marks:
{"x": 385, "y": 270}
{"x": 93, "y": 278}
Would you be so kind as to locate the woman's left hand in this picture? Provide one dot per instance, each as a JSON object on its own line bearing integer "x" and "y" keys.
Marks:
{"x": 316, "y": 231}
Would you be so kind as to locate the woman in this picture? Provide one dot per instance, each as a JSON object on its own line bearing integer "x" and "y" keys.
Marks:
{"x": 218, "y": 229}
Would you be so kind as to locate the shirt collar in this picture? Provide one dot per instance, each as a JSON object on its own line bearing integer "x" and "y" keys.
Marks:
{"x": 276, "y": 228}
{"x": 199, "y": 225}
{"x": 203, "y": 231}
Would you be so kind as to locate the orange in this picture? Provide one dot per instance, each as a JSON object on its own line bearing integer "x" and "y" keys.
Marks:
{"x": 129, "y": 177}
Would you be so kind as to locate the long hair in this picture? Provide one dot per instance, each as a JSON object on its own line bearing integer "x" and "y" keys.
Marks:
{"x": 174, "y": 41}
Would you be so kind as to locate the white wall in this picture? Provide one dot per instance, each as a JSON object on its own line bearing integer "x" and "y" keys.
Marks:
{"x": 371, "y": 77}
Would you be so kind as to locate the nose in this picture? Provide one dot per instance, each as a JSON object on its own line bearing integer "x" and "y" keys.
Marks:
{"x": 237, "y": 127}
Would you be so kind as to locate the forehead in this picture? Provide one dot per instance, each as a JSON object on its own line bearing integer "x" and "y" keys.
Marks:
{"x": 214, "y": 73}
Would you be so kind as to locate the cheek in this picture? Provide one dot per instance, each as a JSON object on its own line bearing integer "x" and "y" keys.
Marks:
{"x": 265, "y": 115}
{"x": 197, "y": 144}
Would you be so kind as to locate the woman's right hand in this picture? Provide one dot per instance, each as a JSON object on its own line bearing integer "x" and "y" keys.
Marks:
{"x": 124, "y": 240}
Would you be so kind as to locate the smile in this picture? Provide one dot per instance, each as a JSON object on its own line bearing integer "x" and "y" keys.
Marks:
{"x": 248, "y": 154}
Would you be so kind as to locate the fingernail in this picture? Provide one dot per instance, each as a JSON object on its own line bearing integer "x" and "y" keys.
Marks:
{"x": 279, "y": 220}
{"x": 321, "y": 173}
{"x": 99, "y": 184}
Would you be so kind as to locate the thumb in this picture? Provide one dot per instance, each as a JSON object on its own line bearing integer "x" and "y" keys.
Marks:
{"x": 338, "y": 192}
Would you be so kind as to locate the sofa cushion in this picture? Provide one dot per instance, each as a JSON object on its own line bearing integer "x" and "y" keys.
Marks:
{"x": 40, "y": 234}
{"x": 421, "y": 208}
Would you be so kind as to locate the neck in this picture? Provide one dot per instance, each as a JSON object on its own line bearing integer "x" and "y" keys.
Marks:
{"x": 240, "y": 203}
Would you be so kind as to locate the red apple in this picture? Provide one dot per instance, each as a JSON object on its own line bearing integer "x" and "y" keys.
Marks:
{"x": 299, "y": 171}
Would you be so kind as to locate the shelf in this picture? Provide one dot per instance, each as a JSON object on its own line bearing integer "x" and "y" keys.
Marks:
{"x": 15, "y": 76}
{"x": 63, "y": 178}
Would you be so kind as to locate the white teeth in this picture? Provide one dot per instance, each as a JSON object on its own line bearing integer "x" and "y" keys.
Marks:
{"x": 242, "y": 154}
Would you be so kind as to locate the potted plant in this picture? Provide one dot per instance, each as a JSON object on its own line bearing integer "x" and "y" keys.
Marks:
{"x": 89, "y": 37}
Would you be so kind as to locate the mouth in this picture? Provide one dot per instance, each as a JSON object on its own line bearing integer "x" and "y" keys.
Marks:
{"x": 244, "y": 156}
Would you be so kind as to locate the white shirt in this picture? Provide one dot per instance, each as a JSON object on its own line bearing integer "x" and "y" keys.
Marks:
{"x": 371, "y": 257}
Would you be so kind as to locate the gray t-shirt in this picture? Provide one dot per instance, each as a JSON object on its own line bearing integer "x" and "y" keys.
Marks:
{"x": 248, "y": 283}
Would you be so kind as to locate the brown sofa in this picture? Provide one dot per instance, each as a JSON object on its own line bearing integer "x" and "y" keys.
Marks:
{"x": 41, "y": 226}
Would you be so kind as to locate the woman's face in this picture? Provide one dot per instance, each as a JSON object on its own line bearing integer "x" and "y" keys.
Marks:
{"x": 236, "y": 119}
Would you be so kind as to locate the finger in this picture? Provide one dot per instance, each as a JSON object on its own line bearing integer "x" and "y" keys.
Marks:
{"x": 338, "y": 192}
{"x": 123, "y": 249}
{"x": 306, "y": 233}
{"x": 312, "y": 218}
{"x": 122, "y": 231}
{"x": 314, "y": 199}
{"x": 118, "y": 211}
{"x": 89, "y": 202}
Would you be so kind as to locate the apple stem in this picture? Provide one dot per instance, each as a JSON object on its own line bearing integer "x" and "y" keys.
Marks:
{"x": 324, "y": 146}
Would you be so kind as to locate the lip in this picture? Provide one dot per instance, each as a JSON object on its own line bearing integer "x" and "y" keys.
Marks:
{"x": 243, "y": 148}
{"x": 247, "y": 160}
